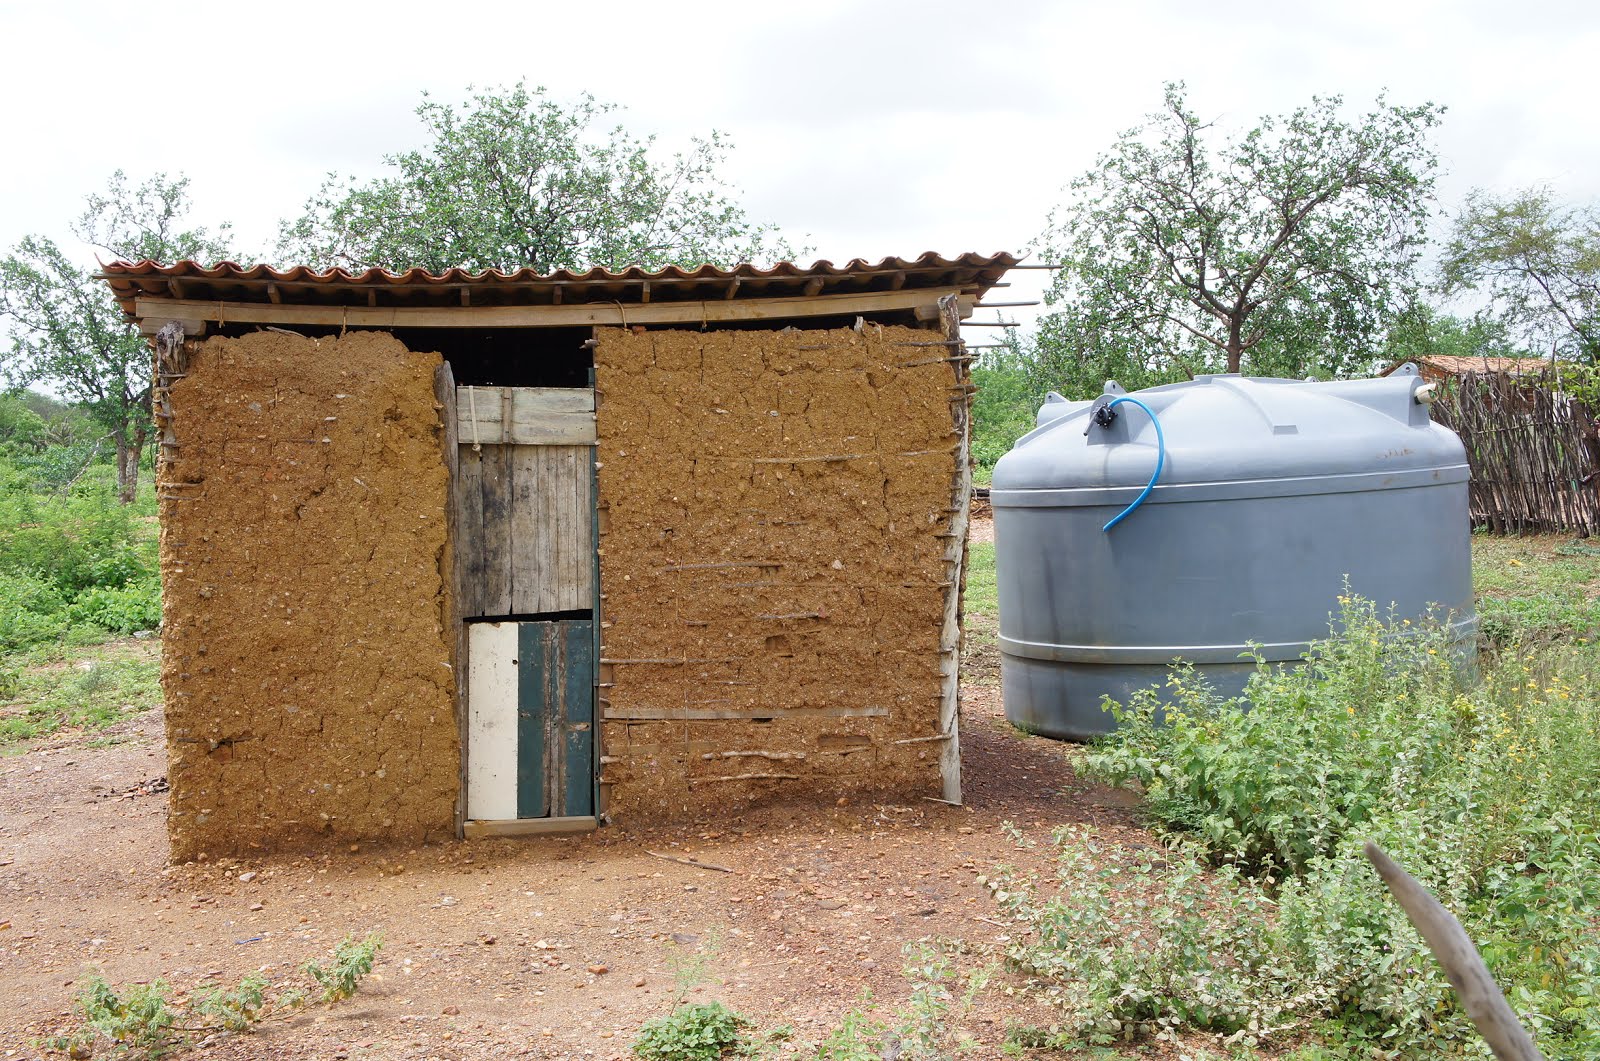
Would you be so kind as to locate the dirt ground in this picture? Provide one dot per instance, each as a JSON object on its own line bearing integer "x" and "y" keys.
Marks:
{"x": 546, "y": 948}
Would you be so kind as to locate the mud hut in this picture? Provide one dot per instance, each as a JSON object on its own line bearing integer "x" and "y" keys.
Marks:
{"x": 476, "y": 554}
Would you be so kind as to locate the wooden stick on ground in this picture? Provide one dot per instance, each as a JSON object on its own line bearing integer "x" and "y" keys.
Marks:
{"x": 696, "y": 863}
{"x": 1480, "y": 995}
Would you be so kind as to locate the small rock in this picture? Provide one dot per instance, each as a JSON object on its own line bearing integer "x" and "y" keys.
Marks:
{"x": 451, "y": 1011}
{"x": 830, "y": 904}
{"x": 248, "y": 876}
{"x": 599, "y": 970}
{"x": 639, "y": 982}
{"x": 255, "y": 906}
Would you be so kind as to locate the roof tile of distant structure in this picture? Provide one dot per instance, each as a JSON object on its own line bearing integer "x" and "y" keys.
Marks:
{"x": 1440, "y": 366}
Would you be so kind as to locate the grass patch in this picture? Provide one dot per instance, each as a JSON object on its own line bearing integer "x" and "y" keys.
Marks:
{"x": 980, "y": 657}
{"x": 982, "y": 594}
{"x": 1547, "y": 588}
{"x": 102, "y": 687}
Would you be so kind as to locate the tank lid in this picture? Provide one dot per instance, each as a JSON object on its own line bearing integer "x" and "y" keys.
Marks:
{"x": 1229, "y": 429}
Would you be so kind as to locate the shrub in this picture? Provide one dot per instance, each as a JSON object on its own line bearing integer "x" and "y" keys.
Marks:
{"x": 1003, "y": 410}
{"x": 1320, "y": 749}
{"x": 704, "y": 1032}
{"x": 123, "y": 610}
{"x": 74, "y": 567}
{"x": 30, "y": 607}
{"x": 1481, "y": 791}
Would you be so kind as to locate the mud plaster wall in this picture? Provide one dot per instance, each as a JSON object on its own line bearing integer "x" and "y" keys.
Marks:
{"x": 306, "y": 663}
{"x": 772, "y": 506}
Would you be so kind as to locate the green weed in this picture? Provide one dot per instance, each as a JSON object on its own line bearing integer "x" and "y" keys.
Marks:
{"x": 705, "y": 1032}
{"x": 352, "y": 960}
{"x": 927, "y": 1028}
{"x": 145, "y": 1021}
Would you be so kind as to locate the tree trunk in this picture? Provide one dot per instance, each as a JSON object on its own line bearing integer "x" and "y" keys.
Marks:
{"x": 127, "y": 467}
{"x": 1235, "y": 343}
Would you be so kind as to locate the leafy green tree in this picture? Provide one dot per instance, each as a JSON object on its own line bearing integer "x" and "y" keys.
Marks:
{"x": 69, "y": 335}
{"x": 1290, "y": 245}
{"x": 1537, "y": 261}
{"x": 1077, "y": 349}
{"x": 1008, "y": 398}
{"x": 1423, "y": 331}
{"x": 20, "y": 426}
{"x": 514, "y": 179}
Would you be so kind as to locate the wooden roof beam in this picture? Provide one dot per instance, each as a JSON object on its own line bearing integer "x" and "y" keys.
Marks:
{"x": 153, "y": 312}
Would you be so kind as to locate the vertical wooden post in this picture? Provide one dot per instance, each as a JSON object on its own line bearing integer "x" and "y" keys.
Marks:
{"x": 955, "y": 557}
{"x": 451, "y": 573}
{"x": 596, "y": 747}
{"x": 170, "y": 364}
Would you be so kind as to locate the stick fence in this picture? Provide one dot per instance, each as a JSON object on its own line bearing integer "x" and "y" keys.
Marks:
{"x": 1534, "y": 454}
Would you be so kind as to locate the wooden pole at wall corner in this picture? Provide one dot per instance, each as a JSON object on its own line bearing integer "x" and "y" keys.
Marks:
{"x": 955, "y": 558}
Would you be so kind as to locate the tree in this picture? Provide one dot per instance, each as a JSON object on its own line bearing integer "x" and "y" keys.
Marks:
{"x": 1290, "y": 245}
{"x": 1538, "y": 263}
{"x": 68, "y": 333}
{"x": 516, "y": 179}
{"x": 1422, "y": 331}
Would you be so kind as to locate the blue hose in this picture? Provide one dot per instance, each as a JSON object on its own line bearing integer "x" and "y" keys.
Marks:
{"x": 1161, "y": 459}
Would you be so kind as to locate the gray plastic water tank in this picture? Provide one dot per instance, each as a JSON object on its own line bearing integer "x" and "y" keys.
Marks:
{"x": 1273, "y": 492}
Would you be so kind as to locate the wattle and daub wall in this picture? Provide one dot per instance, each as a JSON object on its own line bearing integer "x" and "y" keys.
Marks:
{"x": 307, "y": 668}
{"x": 775, "y": 517}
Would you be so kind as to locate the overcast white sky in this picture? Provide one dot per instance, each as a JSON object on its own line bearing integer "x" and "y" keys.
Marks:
{"x": 863, "y": 129}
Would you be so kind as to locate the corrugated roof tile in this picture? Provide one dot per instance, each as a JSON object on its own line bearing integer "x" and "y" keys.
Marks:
{"x": 232, "y": 282}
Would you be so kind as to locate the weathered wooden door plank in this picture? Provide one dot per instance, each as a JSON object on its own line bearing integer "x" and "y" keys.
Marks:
{"x": 498, "y": 496}
{"x": 492, "y": 721}
{"x": 538, "y": 674}
{"x": 577, "y": 710}
{"x": 559, "y": 511}
{"x": 527, "y": 530}
{"x": 469, "y": 531}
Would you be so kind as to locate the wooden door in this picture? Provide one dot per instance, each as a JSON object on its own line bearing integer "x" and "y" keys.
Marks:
{"x": 525, "y": 529}
{"x": 530, "y": 731}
